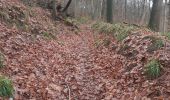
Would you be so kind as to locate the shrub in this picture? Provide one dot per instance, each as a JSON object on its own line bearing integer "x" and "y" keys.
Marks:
{"x": 6, "y": 87}
{"x": 153, "y": 69}
{"x": 103, "y": 27}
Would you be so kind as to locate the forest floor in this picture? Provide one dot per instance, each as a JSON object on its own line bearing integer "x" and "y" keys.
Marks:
{"x": 80, "y": 64}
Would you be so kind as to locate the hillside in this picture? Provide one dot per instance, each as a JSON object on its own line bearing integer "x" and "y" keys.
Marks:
{"x": 50, "y": 60}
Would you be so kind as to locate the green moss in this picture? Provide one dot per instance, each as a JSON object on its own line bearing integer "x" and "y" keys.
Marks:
{"x": 6, "y": 87}
{"x": 83, "y": 20}
{"x": 153, "y": 69}
{"x": 119, "y": 31}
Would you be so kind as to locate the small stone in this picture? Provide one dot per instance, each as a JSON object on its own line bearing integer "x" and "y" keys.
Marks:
{"x": 65, "y": 90}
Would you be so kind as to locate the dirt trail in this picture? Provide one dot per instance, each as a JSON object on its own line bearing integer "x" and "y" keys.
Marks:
{"x": 85, "y": 80}
{"x": 57, "y": 69}
{"x": 75, "y": 67}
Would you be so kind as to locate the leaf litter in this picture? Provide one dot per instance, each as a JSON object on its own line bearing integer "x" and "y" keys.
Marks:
{"x": 72, "y": 67}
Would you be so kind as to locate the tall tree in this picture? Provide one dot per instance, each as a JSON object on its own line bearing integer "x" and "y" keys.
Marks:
{"x": 110, "y": 11}
{"x": 154, "y": 21}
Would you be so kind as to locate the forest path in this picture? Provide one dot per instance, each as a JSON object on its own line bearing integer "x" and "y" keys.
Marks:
{"x": 89, "y": 70}
{"x": 71, "y": 66}
{"x": 81, "y": 66}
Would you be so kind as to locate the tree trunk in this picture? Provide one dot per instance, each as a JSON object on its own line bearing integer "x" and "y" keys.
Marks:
{"x": 125, "y": 17}
{"x": 155, "y": 15}
{"x": 110, "y": 11}
{"x": 144, "y": 13}
{"x": 165, "y": 16}
{"x": 168, "y": 17}
{"x": 54, "y": 12}
{"x": 66, "y": 7}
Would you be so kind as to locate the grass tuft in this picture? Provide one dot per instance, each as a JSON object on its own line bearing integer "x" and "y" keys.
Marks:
{"x": 6, "y": 87}
{"x": 153, "y": 69}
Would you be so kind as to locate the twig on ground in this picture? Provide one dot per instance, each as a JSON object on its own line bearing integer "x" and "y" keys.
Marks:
{"x": 69, "y": 92}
